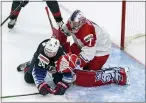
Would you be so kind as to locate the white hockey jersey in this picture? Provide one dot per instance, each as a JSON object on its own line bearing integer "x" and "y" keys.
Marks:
{"x": 92, "y": 39}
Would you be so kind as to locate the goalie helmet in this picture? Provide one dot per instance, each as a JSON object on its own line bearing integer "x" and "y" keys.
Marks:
{"x": 77, "y": 19}
{"x": 51, "y": 47}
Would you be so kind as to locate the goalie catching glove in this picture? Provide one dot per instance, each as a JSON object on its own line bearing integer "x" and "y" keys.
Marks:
{"x": 67, "y": 63}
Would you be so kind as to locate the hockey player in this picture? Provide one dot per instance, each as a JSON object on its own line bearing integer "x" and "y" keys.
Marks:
{"x": 50, "y": 57}
{"x": 44, "y": 59}
{"x": 92, "y": 45}
{"x": 53, "y": 5}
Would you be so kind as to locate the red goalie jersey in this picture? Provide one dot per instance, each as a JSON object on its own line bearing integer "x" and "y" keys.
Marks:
{"x": 91, "y": 43}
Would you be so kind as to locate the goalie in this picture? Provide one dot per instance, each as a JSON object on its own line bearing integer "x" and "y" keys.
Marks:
{"x": 92, "y": 45}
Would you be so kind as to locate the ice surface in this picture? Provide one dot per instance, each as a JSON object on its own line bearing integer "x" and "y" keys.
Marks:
{"x": 19, "y": 44}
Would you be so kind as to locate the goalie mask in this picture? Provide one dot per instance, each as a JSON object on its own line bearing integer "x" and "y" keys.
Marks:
{"x": 51, "y": 47}
{"x": 77, "y": 20}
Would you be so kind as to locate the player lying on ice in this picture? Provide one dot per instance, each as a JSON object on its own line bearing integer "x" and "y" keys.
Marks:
{"x": 50, "y": 57}
{"x": 92, "y": 45}
{"x": 48, "y": 54}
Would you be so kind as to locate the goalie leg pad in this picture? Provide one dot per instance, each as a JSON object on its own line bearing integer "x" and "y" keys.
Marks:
{"x": 88, "y": 79}
{"x": 96, "y": 63}
{"x": 118, "y": 75}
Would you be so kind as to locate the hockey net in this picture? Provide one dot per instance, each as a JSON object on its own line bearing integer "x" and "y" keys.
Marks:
{"x": 133, "y": 22}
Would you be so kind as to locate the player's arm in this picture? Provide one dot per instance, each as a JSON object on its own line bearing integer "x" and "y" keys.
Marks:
{"x": 63, "y": 81}
{"x": 54, "y": 8}
{"x": 39, "y": 73}
{"x": 65, "y": 29}
{"x": 88, "y": 50}
{"x": 65, "y": 75}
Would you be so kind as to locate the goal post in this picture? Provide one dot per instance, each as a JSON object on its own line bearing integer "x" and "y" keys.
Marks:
{"x": 132, "y": 22}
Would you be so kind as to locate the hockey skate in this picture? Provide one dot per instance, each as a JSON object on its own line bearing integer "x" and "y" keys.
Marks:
{"x": 12, "y": 23}
{"x": 121, "y": 76}
{"x": 23, "y": 66}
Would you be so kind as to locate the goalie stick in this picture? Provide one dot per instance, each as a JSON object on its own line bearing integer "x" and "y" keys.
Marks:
{"x": 55, "y": 32}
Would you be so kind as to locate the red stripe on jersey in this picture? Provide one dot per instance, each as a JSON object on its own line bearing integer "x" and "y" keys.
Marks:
{"x": 57, "y": 14}
{"x": 43, "y": 58}
{"x": 15, "y": 13}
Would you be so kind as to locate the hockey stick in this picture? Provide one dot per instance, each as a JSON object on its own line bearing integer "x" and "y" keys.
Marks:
{"x": 11, "y": 96}
{"x": 19, "y": 6}
{"x": 55, "y": 32}
{"x": 49, "y": 17}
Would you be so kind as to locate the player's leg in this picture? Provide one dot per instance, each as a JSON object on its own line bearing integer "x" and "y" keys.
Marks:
{"x": 28, "y": 76}
{"x": 97, "y": 63}
{"x": 14, "y": 17}
{"x": 105, "y": 76}
{"x": 23, "y": 66}
{"x": 89, "y": 76}
{"x": 27, "y": 72}
{"x": 54, "y": 8}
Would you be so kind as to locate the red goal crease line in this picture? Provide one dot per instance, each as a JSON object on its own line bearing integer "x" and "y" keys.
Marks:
{"x": 69, "y": 12}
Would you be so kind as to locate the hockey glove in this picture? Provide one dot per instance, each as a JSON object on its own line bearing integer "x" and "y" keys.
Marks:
{"x": 23, "y": 3}
{"x": 63, "y": 28}
{"x": 60, "y": 88}
{"x": 44, "y": 89}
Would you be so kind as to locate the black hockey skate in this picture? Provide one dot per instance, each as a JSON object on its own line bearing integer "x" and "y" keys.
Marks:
{"x": 12, "y": 23}
{"x": 21, "y": 67}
